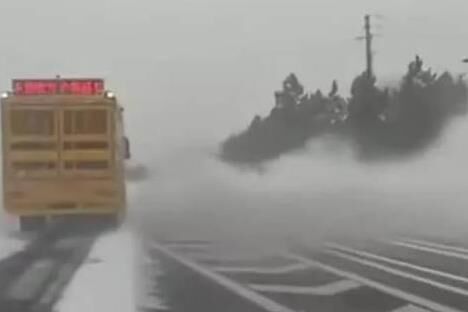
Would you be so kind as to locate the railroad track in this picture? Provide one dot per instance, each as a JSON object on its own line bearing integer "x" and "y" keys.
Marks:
{"x": 32, "y": 280}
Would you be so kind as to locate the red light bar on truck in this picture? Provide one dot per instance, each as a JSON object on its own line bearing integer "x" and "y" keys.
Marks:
{"x": 58, "y": 86}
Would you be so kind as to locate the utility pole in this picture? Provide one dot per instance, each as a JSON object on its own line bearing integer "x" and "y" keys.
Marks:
{"x": 368, "y": 37}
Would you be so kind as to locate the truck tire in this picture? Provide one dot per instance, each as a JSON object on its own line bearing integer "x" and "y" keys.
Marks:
{"x": 112, "y": 221}
{"x": 32, "y": 224}
{"x": 108, "y": 221}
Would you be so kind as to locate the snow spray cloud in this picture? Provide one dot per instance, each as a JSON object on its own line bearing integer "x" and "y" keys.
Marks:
{"x": 322, "y": 191}
{"x": 301, "y": 198}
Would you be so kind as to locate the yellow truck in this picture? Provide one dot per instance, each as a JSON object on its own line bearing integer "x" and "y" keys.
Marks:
{"x": 63, "y": 151}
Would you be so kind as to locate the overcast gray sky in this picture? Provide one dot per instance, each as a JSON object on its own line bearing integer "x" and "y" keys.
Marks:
{"x": 196, "y": 70}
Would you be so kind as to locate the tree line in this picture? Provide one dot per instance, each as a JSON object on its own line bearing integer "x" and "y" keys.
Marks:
{"x": 380, "y": 123}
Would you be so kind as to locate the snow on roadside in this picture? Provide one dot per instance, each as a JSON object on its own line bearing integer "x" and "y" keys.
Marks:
{"x": 105, "y": 282}
{"x": 9, "y": 243}
{"x": 149, "y": 271}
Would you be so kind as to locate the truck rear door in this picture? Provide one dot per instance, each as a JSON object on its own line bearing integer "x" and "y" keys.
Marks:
{"x": 86, "y": 141}
{"x": 30, "y": 141}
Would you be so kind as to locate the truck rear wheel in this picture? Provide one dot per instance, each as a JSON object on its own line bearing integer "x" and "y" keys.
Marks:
{"x": 111, "y": 221}
{"x": 32, "y": 224}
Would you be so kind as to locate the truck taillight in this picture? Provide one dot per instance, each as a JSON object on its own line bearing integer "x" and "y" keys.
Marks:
{"x": 109, "y": 95}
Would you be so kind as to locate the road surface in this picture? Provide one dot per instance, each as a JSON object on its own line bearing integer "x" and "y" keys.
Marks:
{"x": 404, "y": 273}
{"x": 397, "y": 274}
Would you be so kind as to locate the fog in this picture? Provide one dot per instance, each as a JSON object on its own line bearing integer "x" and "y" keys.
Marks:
{"x": 189, "y": 73}
{"x": 199, "y": 70}
{"x": 308, "y": 197}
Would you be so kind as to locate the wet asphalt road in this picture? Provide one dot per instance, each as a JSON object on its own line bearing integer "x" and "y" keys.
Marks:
{"x": 393, "y": 274}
